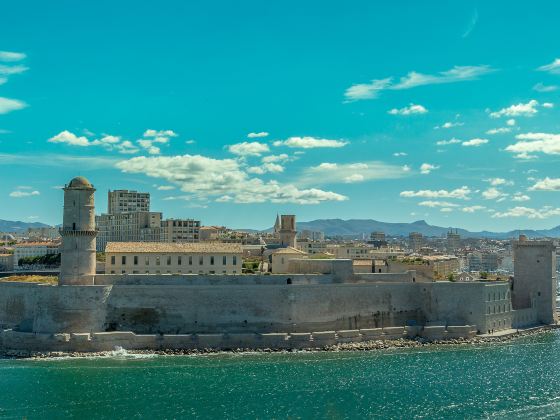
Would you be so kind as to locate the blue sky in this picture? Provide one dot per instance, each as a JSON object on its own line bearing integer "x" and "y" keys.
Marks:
{"x": 230, "y": 113}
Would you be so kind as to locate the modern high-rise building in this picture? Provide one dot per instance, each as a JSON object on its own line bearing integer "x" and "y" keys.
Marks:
{"x": 125, "y": 201}
{"x": 377, "y": 236}
{"x": 453, "y": 241}
{"x": 139, "y": 226}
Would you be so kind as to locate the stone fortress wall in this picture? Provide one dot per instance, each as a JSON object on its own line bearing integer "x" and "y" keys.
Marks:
{"x": 89, "y": 312}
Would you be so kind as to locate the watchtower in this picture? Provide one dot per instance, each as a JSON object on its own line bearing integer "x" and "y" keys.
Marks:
{"x": 78, "y": 233}
{"x": 535, "y": 278}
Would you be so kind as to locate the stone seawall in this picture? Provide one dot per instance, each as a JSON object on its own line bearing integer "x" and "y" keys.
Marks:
{"x": 105, "y": 341}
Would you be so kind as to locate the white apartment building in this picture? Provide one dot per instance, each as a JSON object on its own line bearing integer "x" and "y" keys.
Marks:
{"x": 173, "y": 258}
{"x": 143, "y": 226}
{"x": 34, "y": 249}
{"x": 186, "y": 230}
{"x": 124, "y": 201}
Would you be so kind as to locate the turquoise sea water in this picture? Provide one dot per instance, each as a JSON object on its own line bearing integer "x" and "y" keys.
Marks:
{"x": 517, "y": 379}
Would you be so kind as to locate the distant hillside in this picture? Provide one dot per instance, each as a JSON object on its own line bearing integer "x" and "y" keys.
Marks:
{"x": 357, "y": 227}
{"x": 10, "y": 226}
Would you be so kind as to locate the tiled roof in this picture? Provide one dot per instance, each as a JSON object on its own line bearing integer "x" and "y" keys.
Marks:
{"x": 170, "y": 247}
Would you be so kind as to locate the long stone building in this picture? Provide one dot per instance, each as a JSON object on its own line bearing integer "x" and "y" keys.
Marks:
{"x": 321, "y": 303}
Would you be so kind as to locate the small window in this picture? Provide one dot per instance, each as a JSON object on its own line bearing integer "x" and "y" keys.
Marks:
{"x": 224, "y": 260}
{"x": 212, "y": 260}
{"x": 136, "y": 260}
{"x": 169, "y": 260}
{"x": 235, "y": 260}
{"x": 158, "y": 262}
{"x": 200, "y": 260}
{"x": 112, "y": 271}
{"x": 179, "y": 260}
{"x": 123, "y": 260}
{"x": 190, "y": 259}
{"x": 147, "y": 260}
{"x": 112, "y": 260}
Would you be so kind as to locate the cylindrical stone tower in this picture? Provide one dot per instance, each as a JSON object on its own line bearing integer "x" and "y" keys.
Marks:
{"x": 78, "y": 233}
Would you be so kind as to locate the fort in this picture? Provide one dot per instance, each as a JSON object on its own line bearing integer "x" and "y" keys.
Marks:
{"x": 320, "y": 303}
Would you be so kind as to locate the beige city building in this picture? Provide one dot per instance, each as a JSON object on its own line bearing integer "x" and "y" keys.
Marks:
{"x": 125, "y": 201}
{"x": 281, "y": 258}
{"x": 174, "y": 230}
{"x": 46, "y": 232}
{"x": 34, "y": 249}
{"x": 142, "y": 226}
{"x": 288, "y": 230}
{"x": 173, "y": 258}
{"x": 6, "y": 262}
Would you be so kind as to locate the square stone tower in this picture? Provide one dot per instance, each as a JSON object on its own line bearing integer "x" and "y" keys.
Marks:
{"x": 535, "y": 277}
{"x": 288, "y": 230}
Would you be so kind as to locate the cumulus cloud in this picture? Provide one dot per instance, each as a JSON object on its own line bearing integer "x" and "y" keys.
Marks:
{"x": 206, "y": 178}
{"x": 548, "y": 105}
{"x": 499, "y": 181}
{"x": 159, "y": 133}
{"x": 9, "y": 56}
{"x": 10, "y": 70}
{"x": 426, "y": 168}
{"x": 546, "y": 143}
{"x": 398, "y": 154}
{"x": 408, "y": 110}
{"x": 257, "y": 135}
{"x": 249, "y": 148}
{"x": 519, "y": 196}
{"x": 165, "y": 188}
{"x": 310, "y": 143}
{"x": 459, "y": 193}
{"x": 528, "y": 109}
{"x": 23, "y": 194}
{"x": 494, "y": 193}
{"x": 547, "y": 184}
{"x": 354, "y": 178}
{"x": 413, "y": 79}
{"x": 510, "y": 122}
{"x": 69, "y": 138}
{"x": 474, "y": 142}
{"x": 275, "y": 158}
{"x": 553, "y": 67}
{"x": 9, "y": 105}
{"x": 266, "y": 168}
{"x": 531, "y": 213}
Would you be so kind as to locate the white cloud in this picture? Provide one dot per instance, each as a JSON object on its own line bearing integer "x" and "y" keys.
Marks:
{"x": 446, "y": 142}
{"x": 426, "y": 168}
{"x": 69, "y": 138}
{"x": 406, "y": 168}
{"x": 126, "y": 147}
{"x": 474, "y": 142}
{"x": 519, "y": 196}
{"x": 398, "y": 154}
{"x": 449, "y": 124}
{"x": 408, "y": 110}
{"x": 310, "y": 143}
{"x": 530, "y": 213}
{"x": 10, "y": 70}
{"x": 275, "y": 158}
{"x": 539, "y": 87}
{"x": 8, "y": 56}
{"x": 493, "y": 193}
{"x": 257, "y": 135}
{"x": 510, "y": 122}
{"x": 9, "y": 105}
{"x": 165, "y": 188}
{"x": 547, "y": 184}
{"x": 23, "y": 194}
{"x": 435, "y": 203}
{"x": 499, "y": 181}
{"x": 333, "y": 173}
{"x": 518, "y": 110}
{"x": 266, "y": 168}
{"x": 553, "y": 67}
{"x": 148, "y": 145}
{"x": 500, "y": 130}
{"x": 206, "y": 178}
{"x": 546, "y": 143}
{"x": 459, "y": 193}
{"x": 548, "y": 105}
{"x": 472, "y": 209}
{"x": 160, "y": 133}
{"x": 413, "y": 79}
{"x": 248, "y": 148}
